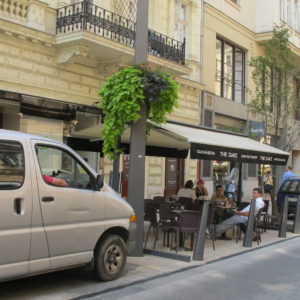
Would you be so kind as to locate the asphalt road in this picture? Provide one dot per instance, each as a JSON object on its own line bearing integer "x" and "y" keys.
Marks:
{"x": 269, "y": 273}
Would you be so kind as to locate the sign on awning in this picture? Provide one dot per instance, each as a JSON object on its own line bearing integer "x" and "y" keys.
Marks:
{"x": 211, "y": 152}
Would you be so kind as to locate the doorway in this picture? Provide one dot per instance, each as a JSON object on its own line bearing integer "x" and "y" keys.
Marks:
{"x": 174, "y": 175}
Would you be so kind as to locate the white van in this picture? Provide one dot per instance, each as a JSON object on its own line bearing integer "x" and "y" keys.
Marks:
{"x": 56, "y": 213}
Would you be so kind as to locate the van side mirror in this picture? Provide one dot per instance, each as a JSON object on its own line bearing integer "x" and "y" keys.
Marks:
{"x": 99, "y": 183}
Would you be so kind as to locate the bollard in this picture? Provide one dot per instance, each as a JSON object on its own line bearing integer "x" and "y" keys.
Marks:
{"x": 200, "y": 239}
{"x": 296, "y": 228}
{"x": 250, "y": 224}
{"x": 283, "y": 219}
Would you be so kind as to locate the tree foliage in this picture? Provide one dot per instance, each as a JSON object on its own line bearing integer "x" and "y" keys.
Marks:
{"x": 275, "y": 99}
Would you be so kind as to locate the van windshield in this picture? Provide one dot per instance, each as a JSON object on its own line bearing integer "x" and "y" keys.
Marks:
{"x": 291, "y": 187}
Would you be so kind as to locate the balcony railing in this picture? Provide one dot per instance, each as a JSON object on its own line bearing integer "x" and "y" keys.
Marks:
{"x": 84, "y": 16}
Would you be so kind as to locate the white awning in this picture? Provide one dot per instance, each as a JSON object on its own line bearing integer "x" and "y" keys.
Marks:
{"x": 209, "y": 144}
{"x": 203, "y": 144}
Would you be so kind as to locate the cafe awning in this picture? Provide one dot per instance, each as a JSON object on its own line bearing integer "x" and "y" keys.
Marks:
{"x": 216, "y": 145}
{"x": 173, "y": 138}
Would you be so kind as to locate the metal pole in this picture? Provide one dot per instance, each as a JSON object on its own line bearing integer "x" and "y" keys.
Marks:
{"x": 115, "y": 182}
{"x": 283, "y": 219}
{"x": 249, "y": 230}
{"x": 136, "y": 175}
{"x": 296, "y": 228}
{"x": 239, "y": 194}
{"x": 200, "y": 240}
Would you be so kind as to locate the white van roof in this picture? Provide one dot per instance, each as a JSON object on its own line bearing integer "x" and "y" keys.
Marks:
{"x": 11, "y": 133}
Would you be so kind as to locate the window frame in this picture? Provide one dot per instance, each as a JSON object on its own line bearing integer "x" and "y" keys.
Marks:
{"x": 233, "y": 82}
{"x": 91, "y": 176}
{"x": 24, "y": 165}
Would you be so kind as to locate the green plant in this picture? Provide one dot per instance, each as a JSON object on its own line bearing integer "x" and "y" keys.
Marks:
{"x": 123, "y": 94}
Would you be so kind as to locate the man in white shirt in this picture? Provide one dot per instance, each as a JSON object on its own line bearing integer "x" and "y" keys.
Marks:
{"x": 242, "y": 216}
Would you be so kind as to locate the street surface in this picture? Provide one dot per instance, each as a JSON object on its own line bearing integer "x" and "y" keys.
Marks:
{"x": 271, "y": 272}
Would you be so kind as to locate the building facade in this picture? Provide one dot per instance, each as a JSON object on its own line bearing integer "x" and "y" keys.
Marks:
{"x": 55, "y": 55}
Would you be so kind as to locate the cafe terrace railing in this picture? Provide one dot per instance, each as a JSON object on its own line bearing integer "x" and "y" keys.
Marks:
{"x": 84, "y": 16}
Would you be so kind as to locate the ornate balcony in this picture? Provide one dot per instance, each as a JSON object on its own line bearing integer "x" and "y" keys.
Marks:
{"x": 84, "y": 16}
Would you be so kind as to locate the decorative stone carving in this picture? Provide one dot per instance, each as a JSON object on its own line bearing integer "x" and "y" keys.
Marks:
{"x": 68, "y": 55}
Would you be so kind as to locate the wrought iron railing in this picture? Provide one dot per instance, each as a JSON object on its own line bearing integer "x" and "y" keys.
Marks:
{"x": 84, "y": 16}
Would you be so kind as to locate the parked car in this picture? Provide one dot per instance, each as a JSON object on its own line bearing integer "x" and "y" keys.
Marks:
{"x": 56, "y": 212}
{"x": 290, "y": 188}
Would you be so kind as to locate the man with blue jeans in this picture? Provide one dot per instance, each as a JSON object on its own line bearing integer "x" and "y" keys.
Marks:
{"x": 241, "y": 216}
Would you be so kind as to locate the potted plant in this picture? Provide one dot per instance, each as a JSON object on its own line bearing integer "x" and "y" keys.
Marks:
{"x": 123, "y": 94}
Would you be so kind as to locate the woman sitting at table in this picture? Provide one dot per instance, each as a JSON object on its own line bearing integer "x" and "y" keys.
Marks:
{"x": 200, "y": 189}
{"x": 187, "y": 191}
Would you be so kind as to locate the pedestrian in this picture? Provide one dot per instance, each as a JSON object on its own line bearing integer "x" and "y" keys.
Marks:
{"x": 288, "y": 173}
{"x": 241, "y": 216}
{"x": 268, "y": 185}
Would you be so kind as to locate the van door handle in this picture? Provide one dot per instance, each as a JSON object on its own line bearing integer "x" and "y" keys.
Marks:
{"x": 19, "y": 206}
{"x": 48, "y": 199}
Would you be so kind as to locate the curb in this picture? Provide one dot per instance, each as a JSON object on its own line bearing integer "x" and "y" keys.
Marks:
{"x": 90, "y": 295}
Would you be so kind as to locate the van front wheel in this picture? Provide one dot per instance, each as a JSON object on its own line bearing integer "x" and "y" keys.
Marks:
{"x": 110, "y": 258}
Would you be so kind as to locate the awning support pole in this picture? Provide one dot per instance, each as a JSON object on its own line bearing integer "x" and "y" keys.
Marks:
{"x": 283, "y": 219}
{"x": 296, "y": 228}
{"x": 200, "y": 239}
{"x": 250, "y": 224}
{"x": 239, "y": 191}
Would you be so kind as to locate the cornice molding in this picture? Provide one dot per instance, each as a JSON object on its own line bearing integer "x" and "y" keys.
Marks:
{"x": 25, "y": 33}
{"x": 220, "y": 16}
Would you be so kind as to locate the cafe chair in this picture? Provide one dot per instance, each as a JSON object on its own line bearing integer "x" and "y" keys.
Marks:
{"x": 167, "y": 220}
{"x": 187, "y": 223}
{"x": 264, "y": 214}
{"x": 151, "y": 213}
{"x": 257, "y": 227}
{"x": 186, "y": 202}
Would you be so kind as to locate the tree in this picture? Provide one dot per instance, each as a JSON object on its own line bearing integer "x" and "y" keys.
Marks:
{"x": 276, "y": 97}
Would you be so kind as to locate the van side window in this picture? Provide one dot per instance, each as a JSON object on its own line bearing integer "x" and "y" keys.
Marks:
{"x": 59, "y": 168}
{"x": 12, "y": 168}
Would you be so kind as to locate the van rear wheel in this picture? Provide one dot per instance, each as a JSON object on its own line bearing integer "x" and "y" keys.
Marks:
{"x": 110, "y": 258}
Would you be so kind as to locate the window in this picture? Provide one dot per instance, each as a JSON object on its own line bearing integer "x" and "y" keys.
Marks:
{"x": 252, "y": 170}
{"x": 230, "y": 70}
{"x": 60, "y": 164}
{"x": 208, "y": 118}
{"x": 180, "y": 21}
{"x": 289, "y": 13}
{"x": 206, "y": 171}
{"x": 11, "y": 165}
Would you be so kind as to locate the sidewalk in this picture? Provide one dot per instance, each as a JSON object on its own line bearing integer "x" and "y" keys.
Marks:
{"x": 144, "y": 268}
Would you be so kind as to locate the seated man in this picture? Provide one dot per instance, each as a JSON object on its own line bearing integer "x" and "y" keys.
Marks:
{"x": 241, "y": 216}
{"x": 55, "y": 181}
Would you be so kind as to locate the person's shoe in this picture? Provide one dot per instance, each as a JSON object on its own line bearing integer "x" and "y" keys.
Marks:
{"x": 254, "y": 236}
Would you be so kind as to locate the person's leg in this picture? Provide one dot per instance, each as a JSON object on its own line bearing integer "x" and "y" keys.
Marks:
{"x": 222, "y": 227}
